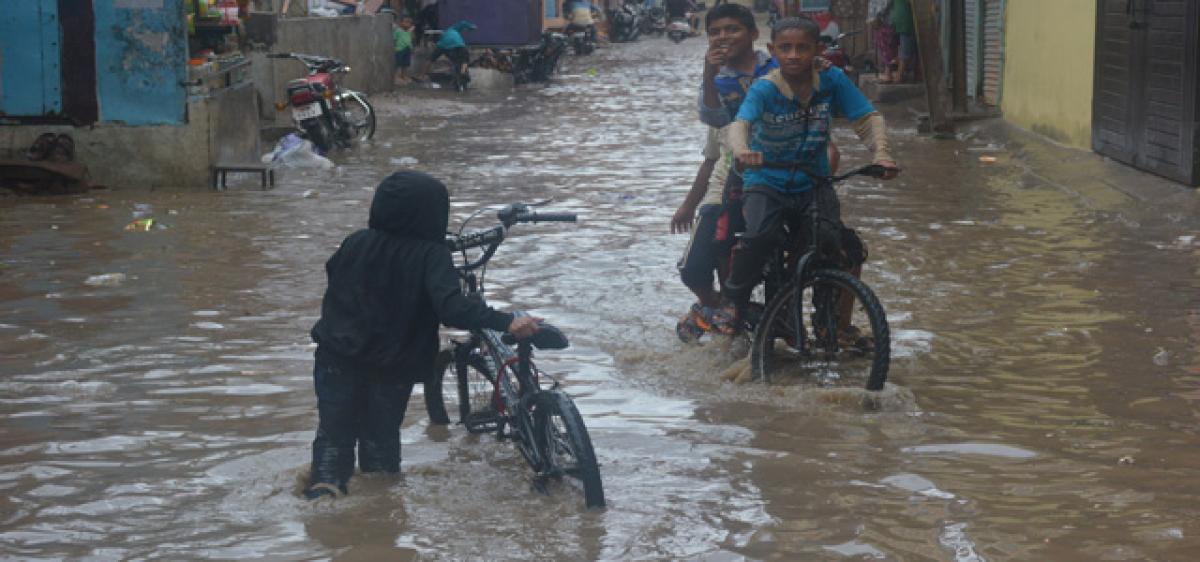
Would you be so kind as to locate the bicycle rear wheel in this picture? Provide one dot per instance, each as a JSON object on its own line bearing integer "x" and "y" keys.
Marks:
{"x": 812, "y": 329}
{"x": 435, "y": 403}
{"x": 564, "y": 445}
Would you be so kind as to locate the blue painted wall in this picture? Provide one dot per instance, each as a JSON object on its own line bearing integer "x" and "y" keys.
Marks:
{"x": 30, "y": 76}
{"x": 141, "y": 61}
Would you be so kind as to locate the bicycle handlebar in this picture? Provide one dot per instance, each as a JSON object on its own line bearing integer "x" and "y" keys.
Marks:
{"x": 547, "y": 217}
{"x": 491, "y": 238}
{"x": 494, "y": 235}
{"x": 872, "y": 170}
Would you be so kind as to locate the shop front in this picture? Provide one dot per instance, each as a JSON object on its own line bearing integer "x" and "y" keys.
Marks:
{"x": 146, "y": 101}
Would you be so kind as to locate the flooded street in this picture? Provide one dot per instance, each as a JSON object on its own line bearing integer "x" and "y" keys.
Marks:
{"x": 1043, "y": 402}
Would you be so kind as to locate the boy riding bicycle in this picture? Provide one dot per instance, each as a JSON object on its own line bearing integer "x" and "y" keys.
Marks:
{"x": 786, "y": 118}
{"x": 731, "y": 65}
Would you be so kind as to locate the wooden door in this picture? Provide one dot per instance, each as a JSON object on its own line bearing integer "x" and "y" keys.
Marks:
{"x": 1144, "y": 106}
{"x": 30, "y": 75}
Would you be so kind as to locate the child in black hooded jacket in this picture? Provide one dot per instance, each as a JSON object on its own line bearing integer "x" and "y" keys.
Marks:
{"x": 390, "y": 285}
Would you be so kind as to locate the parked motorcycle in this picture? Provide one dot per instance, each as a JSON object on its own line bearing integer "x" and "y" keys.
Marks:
{"x": 680, "y": 29}
{"x": 326, "y": 113}
{"x": 626, "y": 22}
{"x": 832, "y": 52}
{"x": 582, "y": 39}
{"x": 655, "y": 21}
{"x": 538, "y": 63}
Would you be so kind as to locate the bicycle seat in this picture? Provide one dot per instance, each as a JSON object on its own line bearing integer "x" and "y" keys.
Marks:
{"x": 547, "y": 338}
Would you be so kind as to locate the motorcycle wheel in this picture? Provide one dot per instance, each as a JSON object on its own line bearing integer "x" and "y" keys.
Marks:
{"x": 360, "y": 117}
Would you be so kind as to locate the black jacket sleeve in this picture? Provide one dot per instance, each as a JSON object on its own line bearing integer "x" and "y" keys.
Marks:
{"x": 451, "y": 306}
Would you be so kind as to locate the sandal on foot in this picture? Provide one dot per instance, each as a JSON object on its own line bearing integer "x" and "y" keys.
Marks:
{"x": 722, "y": 320}
{"x": 322, "y": 489}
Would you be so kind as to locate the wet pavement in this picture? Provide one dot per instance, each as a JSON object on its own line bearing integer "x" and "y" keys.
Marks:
{"x": 1042, "y": 404}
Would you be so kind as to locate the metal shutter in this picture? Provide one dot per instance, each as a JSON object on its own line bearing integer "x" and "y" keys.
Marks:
{"x": 973, "y": 46}
{"x": 993, "y": 50}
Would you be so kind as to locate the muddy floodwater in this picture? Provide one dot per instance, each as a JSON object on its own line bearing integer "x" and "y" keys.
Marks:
{"x": 1042, "y": 404}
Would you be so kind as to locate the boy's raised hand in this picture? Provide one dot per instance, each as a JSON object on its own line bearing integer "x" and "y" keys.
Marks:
{"x": 523, "y": 326}
{"x": 714, "y": 58}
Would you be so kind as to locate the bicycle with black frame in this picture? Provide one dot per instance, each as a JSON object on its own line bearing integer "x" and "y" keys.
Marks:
{"x": 500, "y": 390}
{"x": 820, "y": 319}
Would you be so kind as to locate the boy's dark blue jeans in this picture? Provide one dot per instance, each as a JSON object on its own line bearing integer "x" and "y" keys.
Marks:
{"x": 356, "y": 407}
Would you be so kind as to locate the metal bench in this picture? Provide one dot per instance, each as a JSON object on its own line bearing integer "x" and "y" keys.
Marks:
{"x": 219, "y": 172}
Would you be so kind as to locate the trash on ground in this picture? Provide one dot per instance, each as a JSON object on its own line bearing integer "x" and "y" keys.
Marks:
{"x": 988, "y": 159}
{"x": 143, "y": 225}
{"x": 404, "y": 161}
{"x": 990, "y": 147}
{"x": 1126, "y": 460}
{"x": 310, "y": 194}
{"x": 105, "y": 280}
{"x": 1162, "y": 358}
{"x": 294, "y": 152}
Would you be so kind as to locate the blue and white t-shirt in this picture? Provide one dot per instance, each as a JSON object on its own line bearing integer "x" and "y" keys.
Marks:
{"x": 785, "y": 131}
{"x": 731, "y": 87}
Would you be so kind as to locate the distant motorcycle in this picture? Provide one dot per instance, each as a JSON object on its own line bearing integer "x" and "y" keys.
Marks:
{"x": 626, "y": 22}
{"x": 832, "y": 51}
{"x": 326, "y": 113}
{"x": 583, "y": 40}
{"x": 538, "y": 63}
{"x": 680, "y": 29}
{"x": 655, "y": 21}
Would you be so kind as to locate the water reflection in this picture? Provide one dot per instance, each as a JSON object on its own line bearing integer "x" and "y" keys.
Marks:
{"x": 1039, "y": 338}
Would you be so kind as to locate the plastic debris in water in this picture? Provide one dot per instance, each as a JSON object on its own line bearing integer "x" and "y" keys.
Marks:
{"x": 310, "y": 194}
{"x": 143, "y": 225}
{"x": 1162, "y": 358}
{"x": 105, "y": 280}
{"x": 988, "y": 159}
{"x": 592, "y": 72}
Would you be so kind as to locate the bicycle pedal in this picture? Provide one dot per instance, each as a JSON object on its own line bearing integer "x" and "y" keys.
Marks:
{"x": 482, "y": 422}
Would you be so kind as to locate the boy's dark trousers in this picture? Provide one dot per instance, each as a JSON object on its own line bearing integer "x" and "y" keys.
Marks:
{"x": 766, "y": 211}
{"x": 356, "y": 406}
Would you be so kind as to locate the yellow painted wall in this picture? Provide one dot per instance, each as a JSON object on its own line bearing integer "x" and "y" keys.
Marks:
{"x": 1049, "y": 49}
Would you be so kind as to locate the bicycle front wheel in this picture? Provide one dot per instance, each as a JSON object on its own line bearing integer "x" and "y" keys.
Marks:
{"x": 830, "y": 329}
{"x": 564, "y": 445}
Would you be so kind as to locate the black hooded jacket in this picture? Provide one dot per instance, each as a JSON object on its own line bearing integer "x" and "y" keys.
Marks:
{"x": 391, "y": 284}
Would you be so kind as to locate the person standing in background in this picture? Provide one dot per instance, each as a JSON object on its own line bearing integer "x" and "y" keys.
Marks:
{"x": 884, "y": 36}
{"x": 902, "y": 22}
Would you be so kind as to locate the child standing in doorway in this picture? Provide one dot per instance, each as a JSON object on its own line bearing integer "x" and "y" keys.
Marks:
{"x": 403, "y": 38}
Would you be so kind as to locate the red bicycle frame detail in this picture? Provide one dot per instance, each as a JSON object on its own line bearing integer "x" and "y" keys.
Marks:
{"x": 502, "y": 372}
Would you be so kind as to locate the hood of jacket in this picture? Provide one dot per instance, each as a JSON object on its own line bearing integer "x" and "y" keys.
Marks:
{"x": 411, "y": 205}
